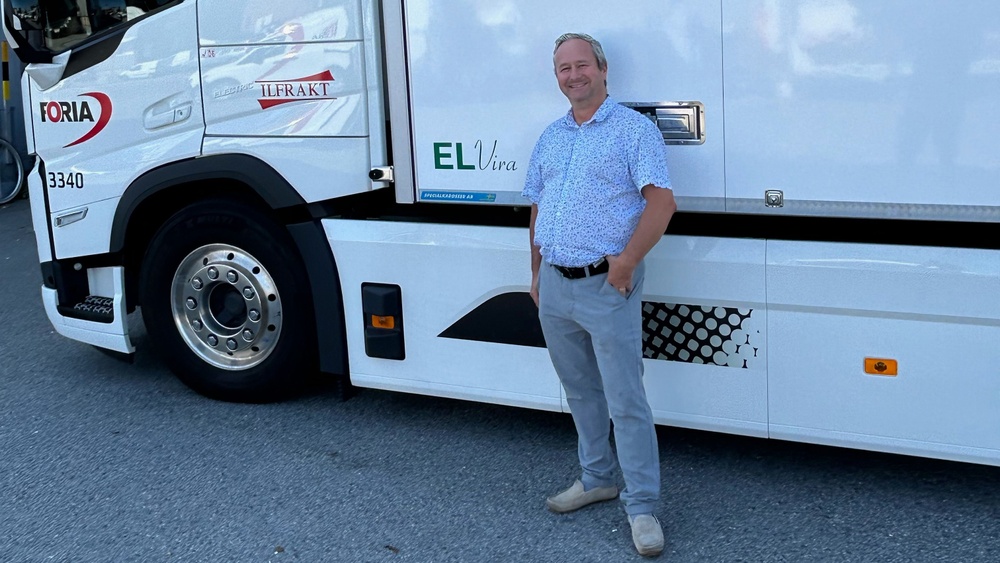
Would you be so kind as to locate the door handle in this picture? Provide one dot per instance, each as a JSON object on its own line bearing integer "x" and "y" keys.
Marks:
{"x": 680, "y": 123}
{"x": 156, "y": 117}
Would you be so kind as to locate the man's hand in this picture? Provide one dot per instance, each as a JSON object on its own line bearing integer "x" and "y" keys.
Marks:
{"x": 620, "y": 274}
{"x": 660, "y": 207}
{"x": 534, "y": 288}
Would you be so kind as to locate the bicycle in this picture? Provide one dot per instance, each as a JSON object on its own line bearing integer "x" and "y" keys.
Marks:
{"x": 11, "y": 172}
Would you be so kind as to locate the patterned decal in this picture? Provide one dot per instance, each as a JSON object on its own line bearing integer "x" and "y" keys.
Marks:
{"x": 96, "y": 305}
{"x": 721, "y": 336}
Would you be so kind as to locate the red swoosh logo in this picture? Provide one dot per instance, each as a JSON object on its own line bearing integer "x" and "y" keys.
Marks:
{"x": 105, "y": 102}
{"x": 325, "y": 76}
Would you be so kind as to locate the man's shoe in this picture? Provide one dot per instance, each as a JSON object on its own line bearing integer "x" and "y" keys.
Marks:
{"x": 647, "y": 534}
{"x": 575, "y": 497}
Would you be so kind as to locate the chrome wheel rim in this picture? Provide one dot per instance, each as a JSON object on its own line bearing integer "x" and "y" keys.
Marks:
{"x": 226, "y": 307}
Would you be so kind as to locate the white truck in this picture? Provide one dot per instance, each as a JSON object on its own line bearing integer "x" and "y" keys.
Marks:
{"x": 334, "y": 186}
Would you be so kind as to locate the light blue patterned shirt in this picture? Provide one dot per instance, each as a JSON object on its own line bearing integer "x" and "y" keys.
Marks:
{"x": 587, "y": 181}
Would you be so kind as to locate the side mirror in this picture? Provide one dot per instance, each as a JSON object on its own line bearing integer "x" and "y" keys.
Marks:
{"x": 24, "y": 28}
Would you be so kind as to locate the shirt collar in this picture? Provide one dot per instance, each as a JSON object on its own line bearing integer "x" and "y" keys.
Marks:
{"x": 601, "y": 114}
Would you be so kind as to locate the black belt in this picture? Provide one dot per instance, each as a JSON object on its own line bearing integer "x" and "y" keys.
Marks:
{"x": 597, "y": 268}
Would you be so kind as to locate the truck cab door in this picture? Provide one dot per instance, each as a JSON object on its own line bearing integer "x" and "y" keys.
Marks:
{"x": 297, "y": 84}
{"x": 112, "y": 91}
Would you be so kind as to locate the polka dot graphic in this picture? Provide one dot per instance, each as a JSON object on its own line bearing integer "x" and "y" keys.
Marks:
{"x": 721, "y": 336}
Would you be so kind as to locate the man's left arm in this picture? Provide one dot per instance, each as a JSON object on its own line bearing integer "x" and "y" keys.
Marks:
{"x": 660, "y": 207}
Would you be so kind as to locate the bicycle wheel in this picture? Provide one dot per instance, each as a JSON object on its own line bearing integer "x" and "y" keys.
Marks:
{"x": 11, "y": 172}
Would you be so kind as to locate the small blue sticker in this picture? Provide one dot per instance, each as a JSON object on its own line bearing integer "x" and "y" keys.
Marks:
{"x": 459, "y": 197}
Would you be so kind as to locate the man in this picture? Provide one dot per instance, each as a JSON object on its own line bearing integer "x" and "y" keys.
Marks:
{"x": 601, "y": 199}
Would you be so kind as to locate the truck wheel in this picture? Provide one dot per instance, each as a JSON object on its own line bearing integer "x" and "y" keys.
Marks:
{"x": 225, "y": 300}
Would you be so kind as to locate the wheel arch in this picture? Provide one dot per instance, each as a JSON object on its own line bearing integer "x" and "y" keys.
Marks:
{"x": 157, "y": 195}
{"x": 234, "y": 174}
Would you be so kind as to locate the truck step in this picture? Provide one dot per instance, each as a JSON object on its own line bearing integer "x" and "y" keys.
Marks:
{"x": 94, "y": 308}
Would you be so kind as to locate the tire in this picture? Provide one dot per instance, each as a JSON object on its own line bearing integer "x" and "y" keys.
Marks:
{"x": 225, "y": 300}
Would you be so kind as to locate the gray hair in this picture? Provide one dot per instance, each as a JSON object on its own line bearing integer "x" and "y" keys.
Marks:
{"x": 595, "y": 45}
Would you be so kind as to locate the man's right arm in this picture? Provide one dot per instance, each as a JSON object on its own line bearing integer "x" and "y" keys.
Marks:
{"x": 536, "y": 254}
{"x": 533, "y": 186}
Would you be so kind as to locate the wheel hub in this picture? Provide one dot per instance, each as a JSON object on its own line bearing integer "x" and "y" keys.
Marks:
{"x": 226, "y": 307}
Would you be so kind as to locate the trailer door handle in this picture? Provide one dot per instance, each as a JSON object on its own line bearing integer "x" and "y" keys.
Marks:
{"x": 680, "y": 123}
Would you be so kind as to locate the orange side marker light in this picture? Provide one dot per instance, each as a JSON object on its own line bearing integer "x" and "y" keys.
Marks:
{"x": 881, "y": 366}
{"x": 388, "y": 323}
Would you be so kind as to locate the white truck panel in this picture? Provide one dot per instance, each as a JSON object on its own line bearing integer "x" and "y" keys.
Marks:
{"x": 933, "y": 310}
{"x": 871, "y": 109}
{"x": 481, "y": 76}
{"x": 84, "y": 230}
{"x": 244, "y": 22}
{"x": 318, "y": 168}
{"x": 492, "y": 261}
{"x": 460, "y": 267}
{"x": 903, "y": 280}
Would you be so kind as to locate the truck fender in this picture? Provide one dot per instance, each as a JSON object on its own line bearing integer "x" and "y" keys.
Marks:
{"x": 278, "y": 194}
{"x": 265, "y": 181}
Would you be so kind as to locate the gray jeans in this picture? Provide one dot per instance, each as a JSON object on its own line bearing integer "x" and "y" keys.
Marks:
{"x": 594, "y": 337}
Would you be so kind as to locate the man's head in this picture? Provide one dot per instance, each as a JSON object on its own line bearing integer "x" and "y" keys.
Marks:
{"x": 581, "y": 68}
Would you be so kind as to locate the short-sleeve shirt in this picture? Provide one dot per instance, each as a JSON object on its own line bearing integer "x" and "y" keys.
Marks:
{"x": 587, "y": 181}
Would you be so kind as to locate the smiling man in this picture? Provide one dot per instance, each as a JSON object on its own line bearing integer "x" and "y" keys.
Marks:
{"x": 601, "y": 199}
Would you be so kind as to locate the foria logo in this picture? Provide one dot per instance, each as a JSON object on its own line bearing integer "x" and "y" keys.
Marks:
{"x": 484, "y": 160}
{"x": 79, "y": 112}
{"x": 57, "y": 112}
{"x": 306, "y": 89}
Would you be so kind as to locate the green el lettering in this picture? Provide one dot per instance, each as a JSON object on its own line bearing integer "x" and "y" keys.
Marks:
{"x": 440, "y": 155}
{"x": 458, "y": 156}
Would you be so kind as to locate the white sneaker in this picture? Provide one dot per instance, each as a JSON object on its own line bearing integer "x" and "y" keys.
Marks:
{"x": 647, "y": 534}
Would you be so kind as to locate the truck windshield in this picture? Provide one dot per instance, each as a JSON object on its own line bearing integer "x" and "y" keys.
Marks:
{"x": 58, "y": 25}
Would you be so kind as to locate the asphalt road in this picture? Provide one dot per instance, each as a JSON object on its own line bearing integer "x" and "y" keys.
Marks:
{"x": 103, "y": 461}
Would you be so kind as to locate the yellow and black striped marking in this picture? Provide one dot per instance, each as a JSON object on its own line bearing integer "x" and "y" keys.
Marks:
{"x": 5, "y": 57}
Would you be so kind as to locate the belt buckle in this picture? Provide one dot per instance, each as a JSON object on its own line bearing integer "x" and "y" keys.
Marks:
{"x": 563, "y": 271}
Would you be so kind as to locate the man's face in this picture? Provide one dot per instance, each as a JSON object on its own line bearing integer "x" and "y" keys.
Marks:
{"x": 576, "y": 69}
